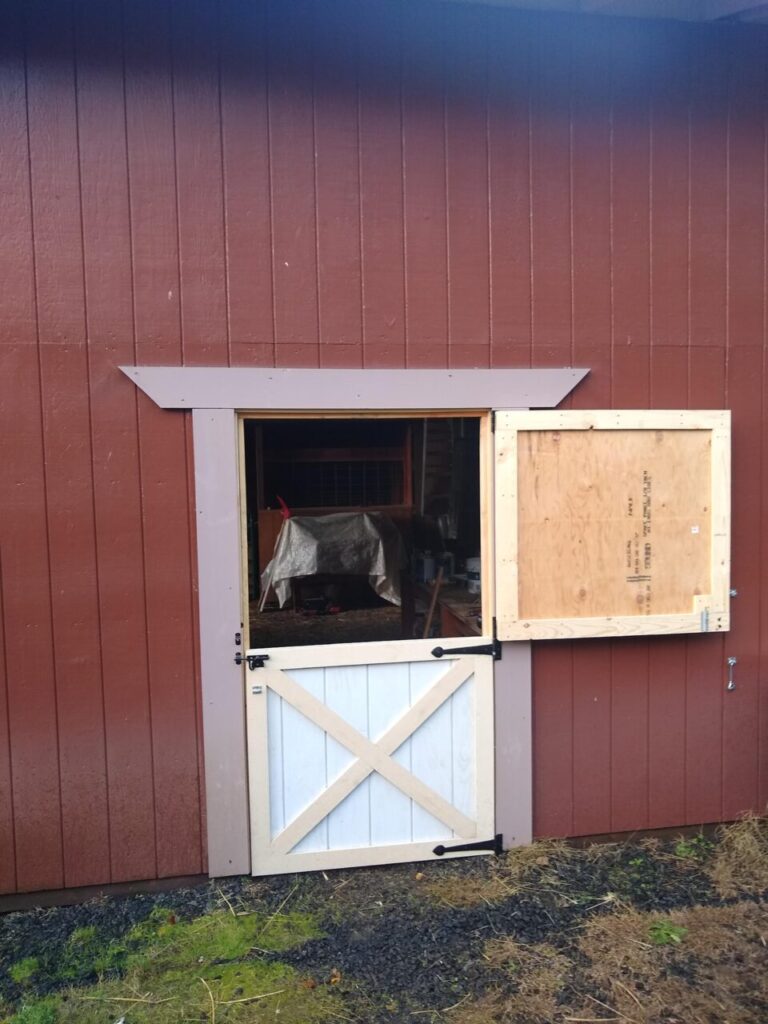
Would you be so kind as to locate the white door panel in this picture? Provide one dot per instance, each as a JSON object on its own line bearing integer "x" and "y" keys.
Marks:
{"x": 368, "y": 754}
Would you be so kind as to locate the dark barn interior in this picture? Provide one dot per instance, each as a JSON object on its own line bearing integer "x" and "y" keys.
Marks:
{"x": 416, "y": 482}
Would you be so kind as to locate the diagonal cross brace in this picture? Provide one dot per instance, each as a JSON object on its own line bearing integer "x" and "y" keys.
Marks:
{"x": 371, "y": 756}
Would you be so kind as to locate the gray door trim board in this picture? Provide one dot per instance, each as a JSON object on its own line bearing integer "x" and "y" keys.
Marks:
{"x": 218, "y": 557}
{"x": 513, "y": 757}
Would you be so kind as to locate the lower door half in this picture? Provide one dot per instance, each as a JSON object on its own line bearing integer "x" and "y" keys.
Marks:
{"x": 369, "y": 753}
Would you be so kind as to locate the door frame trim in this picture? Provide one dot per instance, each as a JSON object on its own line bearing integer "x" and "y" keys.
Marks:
{"x": 217, "y": 397}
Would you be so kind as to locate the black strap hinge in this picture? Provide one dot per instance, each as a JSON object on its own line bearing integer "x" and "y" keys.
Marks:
{"x": 496, "y": 845}
{"x": 493, "y": 649}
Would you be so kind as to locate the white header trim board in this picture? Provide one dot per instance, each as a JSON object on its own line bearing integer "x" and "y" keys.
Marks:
{"x": 290, "y": 390}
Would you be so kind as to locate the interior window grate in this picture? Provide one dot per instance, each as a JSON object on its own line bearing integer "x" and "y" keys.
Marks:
{"x": 335, "y": 484}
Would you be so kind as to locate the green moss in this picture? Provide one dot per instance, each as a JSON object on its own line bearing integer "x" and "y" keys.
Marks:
{"x": 165, "y": 942}
{"x": 41, "y": 1012}
{"x": 25, "y": 970}
{"x": 173, "y": 970}
{"x": 242, "y": 993}
{"x": 86, "y": 954}
{"x": 286, "y": 931}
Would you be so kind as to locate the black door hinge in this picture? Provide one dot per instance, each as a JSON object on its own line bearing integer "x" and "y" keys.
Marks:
{"x": 496, "y": 845}
{"x": 493, "y": 422}
{"x": 253, "y": 661}
{"x": 493, "y": 649}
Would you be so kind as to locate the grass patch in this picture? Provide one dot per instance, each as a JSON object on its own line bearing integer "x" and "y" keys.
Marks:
{"x": 739, "y": 863}
{"x": 710, "y": 966}
{"x": 523, "y": 869}
{"x": 537, "y": 863}
{"x": 664, "y": 933}
{"x": 24, "y": 971}
{"x": 219, "y": 936}
{"x": 635, "y": 932}
{"x": 701, "y": 965}
{"x": 41, "y": 1012}
{"x": 85, "y": 954}
{"x": 455, "y": 891}
{"x": 697, "y": 848}
{"x": 540, "y": 974}
{"x": 165, "y": 970}
{"x": 234, "y": 993}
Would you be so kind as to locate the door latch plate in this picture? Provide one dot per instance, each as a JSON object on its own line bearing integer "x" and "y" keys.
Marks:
{"x": 253, "y": 661}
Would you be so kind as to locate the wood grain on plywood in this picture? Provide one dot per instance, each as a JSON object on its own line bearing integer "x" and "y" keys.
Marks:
{"x": 613, "y": 523}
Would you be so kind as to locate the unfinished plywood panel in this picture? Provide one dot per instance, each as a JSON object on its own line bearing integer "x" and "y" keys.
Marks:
{"x": 611, "y": 523}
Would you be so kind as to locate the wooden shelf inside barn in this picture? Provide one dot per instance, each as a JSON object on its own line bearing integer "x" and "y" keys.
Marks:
{"x": 612, "y": 523}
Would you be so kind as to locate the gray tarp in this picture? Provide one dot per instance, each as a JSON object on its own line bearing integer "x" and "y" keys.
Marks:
{"x": 345, "y": 543}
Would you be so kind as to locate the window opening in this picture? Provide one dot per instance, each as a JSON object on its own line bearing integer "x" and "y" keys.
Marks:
{"x": 362, "y": 529}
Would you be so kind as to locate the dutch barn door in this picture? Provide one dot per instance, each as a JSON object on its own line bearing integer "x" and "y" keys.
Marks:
{"x": 367, "y": 748}
{"x": 370, "y": 718}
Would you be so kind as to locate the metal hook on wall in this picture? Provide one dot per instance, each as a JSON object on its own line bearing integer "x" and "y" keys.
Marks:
{"x": 731, "y": 666}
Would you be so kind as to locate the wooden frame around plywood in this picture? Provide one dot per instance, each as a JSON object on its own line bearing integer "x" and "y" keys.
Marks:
{"x": 599, "y": 513}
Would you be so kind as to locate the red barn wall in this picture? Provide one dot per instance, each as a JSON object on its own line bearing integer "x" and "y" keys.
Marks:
{"x": 342, "y": 184}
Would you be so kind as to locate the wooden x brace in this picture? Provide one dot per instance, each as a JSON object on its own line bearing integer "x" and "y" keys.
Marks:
{"x": 372, "y": 757}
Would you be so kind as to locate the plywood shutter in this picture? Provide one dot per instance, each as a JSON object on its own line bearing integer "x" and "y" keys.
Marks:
{"x": 611, "y": 523}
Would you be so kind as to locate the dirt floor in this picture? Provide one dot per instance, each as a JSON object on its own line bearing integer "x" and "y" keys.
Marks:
{"x": 672, "y": 932}
{"x": 298, "y": 629}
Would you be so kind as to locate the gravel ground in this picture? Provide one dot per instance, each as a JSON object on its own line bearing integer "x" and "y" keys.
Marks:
{"x": 392, "y": 943}
{"x": 386, "y": 932}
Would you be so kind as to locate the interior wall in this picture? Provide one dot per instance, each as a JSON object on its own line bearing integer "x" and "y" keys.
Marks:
{"x": 341, "y": 184}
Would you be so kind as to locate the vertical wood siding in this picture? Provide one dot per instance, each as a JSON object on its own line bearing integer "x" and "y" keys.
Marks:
{"x": 307, "y": 183}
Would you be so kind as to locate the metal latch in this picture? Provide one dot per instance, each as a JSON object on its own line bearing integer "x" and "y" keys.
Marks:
{"x": 496, "y": 844}
{"x": 493, "y": 649}
{"x": 253, "y": 660}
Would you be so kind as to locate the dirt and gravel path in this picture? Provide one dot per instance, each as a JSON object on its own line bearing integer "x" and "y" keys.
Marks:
{"x": 650, "y": 933}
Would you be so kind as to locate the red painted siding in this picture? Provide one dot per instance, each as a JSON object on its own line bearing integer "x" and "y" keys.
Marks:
{"x": 340, "y": 184}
